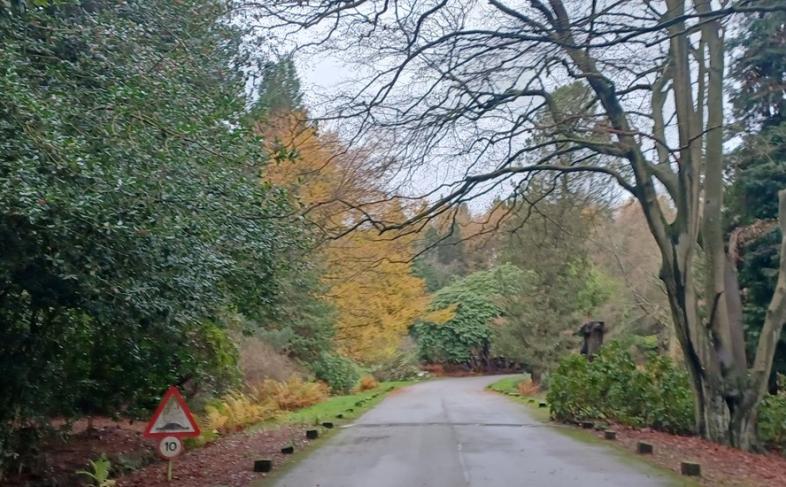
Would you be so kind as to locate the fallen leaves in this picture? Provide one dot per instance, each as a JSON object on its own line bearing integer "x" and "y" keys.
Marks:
{"x": 721, "y": 466}
{"x": 228, "y": 462}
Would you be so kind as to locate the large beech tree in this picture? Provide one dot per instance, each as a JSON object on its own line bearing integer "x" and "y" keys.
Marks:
{"x": 459, "y": 88}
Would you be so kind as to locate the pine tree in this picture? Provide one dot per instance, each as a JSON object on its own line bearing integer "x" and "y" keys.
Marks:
{"x": 758, "y": 171}
{"x": 279, "y": 90}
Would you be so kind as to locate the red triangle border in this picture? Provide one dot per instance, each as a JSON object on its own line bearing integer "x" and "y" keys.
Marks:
{"x": 172, "y": 392}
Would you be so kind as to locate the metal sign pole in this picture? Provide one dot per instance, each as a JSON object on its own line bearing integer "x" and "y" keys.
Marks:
{"x": 169, "y": 471}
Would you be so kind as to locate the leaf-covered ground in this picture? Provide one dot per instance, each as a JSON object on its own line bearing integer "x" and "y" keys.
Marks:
{"x": 720, "y": 465}
{"x": 63, "y": 456}
{"x": 227, "y": 462}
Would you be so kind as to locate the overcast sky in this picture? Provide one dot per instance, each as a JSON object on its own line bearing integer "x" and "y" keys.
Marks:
{"x": 321, "y": 76}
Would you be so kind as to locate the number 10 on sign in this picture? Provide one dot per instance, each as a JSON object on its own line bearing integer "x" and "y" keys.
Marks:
{"x": 169, "y": 448}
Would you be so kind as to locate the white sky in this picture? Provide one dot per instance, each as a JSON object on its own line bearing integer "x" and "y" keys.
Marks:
{"x": 321, "y": 76}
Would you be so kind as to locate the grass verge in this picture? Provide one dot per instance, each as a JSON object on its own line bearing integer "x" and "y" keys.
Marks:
{"x": 509, "y": 387}
{"x": 349, "y": 406}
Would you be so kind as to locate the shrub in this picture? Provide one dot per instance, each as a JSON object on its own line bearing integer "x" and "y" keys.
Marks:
{"x": 401, "y": 366}
{"x": 99, "y": 472}
{"x": 260, "y": 361}
{"x": 367, "y": 382}
{"x": 527, "y": 387}
{"x": 340, "y": 373}
{"x": 612, "y": 387}
{"x": 772, "y": 421}
{"x": 465, "y": 339}
{"x": 434, "y": 369}
{"x": 571, "y": 397}
{"x": 669, "y": 403}
{"x": 232, "y": 412}
{"x": 292, "y": 394}
{"x": 236, "y": 410}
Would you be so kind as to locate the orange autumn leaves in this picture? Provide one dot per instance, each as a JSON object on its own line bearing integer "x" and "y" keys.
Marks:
{"x": 368, "y": 275}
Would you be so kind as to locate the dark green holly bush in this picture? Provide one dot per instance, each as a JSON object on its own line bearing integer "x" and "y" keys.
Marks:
{"x": 132, "y": 218}
{"x": 612, "y": 387}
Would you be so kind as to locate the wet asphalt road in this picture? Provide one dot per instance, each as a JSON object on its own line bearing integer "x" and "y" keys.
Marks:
{"x": 454, "y": 433}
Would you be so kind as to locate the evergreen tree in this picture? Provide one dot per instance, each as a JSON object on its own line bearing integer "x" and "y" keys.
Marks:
{"x": 758, "y": 168}
{"x": 279, "y": 90}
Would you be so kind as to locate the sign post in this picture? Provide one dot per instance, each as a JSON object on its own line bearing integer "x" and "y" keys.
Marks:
{"x": 171, "y": 421}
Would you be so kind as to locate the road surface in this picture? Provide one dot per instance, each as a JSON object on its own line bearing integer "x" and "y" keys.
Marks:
{"x": 454, "y": 433}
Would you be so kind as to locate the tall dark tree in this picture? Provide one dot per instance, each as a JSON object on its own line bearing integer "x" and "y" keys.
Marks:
{"x": 758, "y": 166}
{"x": 279, "y": 89}
{"x": 302, "y": 322}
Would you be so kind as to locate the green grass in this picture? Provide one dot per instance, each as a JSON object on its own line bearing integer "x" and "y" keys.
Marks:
{"x": 345, "y": 405}
{"x": 508, "y": 385}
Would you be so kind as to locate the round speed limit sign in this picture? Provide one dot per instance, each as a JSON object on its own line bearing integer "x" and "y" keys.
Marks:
{"x": 170, "y": 447}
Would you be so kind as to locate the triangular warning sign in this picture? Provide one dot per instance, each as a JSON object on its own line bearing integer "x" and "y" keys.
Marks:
{"x": 172, "y": 418}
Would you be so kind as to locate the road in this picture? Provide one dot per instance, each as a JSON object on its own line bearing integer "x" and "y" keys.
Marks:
{"x": 454, "y": 433}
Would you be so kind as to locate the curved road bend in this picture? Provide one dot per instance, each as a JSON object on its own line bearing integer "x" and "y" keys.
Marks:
{"x": 454, "y": 433}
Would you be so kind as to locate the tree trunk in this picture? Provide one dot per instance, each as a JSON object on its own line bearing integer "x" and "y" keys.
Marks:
{"x": 724, "y": 412}
{"x": 536, "y": 376}
{"x": 708, "y": 327}
{"x": 743, "y": 428}
{"x": 715, "y": 416}
{"x": 727, "y": 421}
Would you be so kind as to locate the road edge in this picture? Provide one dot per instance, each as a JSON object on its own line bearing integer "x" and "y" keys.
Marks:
{"x": 326, "y": 434}
{"x": 637, "y": 461}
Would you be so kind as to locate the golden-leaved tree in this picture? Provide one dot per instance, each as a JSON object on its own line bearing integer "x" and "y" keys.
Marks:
{"x": 376, "y": 294}
{"x": 369, "y": 276}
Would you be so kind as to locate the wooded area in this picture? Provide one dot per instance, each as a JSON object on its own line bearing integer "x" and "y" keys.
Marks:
{"x": 175, "y": 207}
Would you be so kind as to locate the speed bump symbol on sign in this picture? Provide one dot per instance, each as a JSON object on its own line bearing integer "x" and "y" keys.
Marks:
{"x": 170, "y": 447}
{"x": 172, "y": 418}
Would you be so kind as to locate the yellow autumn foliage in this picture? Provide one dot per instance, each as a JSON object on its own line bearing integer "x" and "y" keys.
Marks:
{"x": 369, "y": 276}
{"x": 235, "y": 411}
{"x": 328, "y": 181}
{"x": 376, "y": 294}
{"x": 439, "y": 316}
{"x": 294, "y": 393}
{"x": 367, "y": 382}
